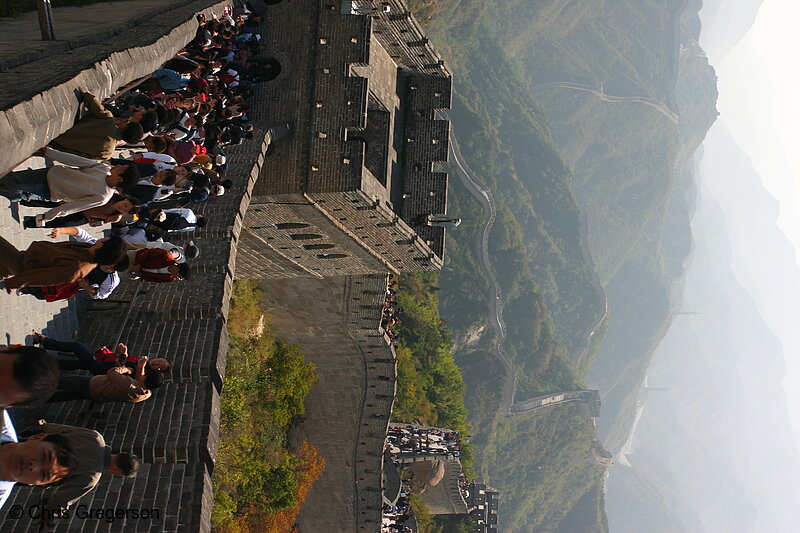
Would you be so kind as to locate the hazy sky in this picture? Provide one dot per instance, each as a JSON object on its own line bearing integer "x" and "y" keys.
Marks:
{"x": 759, "y": 103}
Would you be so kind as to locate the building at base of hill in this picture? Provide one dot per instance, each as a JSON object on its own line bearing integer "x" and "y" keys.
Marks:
{"x": 427, "y": 460}
{"x": 483, "y": 502}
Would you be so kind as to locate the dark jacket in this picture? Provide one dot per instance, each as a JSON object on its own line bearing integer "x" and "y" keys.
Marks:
{"x": 94, "y": 136}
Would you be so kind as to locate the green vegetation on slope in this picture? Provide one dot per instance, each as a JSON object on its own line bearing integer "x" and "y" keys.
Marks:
{"x": 622, "y": 172}
{"x": 626, "y": 158}
{"x": 430, "y": 389}
{"x": 537, "y": 246}
{"x": 552, "y": 298}
{"x": 546, "y": 457}
{"x": 258, "y": 481}
{"x": 463, "y": 284}
{"x": 628, "y": 164}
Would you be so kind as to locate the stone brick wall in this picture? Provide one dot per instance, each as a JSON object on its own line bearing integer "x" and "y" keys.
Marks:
{"x": 315, "y": 45}
{"x": 365, "y": 237}
{"x": 158, "y": 491}
{"x": 428, "y": 142}
{"x": 38, "y": 99}
{"x": 331, "y": 71}
{"x": 376, "y": 136}
{"x": 336, "y": 321}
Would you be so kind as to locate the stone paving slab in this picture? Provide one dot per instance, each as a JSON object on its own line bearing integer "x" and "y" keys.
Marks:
{"x": 20, "y": 38}
{"x": 335, "y": 320}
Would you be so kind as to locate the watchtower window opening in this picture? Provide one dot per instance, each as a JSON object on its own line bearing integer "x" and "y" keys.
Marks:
{"x": 291, "y": 225}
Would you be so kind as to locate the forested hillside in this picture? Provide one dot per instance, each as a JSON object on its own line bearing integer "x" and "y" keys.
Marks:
{"x": 547, "y": 284}
{"x": 593, "y": 196}
{"x": 551, "y": 295}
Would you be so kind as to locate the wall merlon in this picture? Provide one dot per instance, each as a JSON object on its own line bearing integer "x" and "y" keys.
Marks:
{"x": 349, "y": 36}
{"x": 400, "y": 33}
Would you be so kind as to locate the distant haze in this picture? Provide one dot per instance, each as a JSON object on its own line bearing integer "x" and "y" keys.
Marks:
{"x": 759, "y": 106}
{"x": 716, "y": 449}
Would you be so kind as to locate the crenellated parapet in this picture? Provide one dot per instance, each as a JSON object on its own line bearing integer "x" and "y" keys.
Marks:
{"x": 401, "y": 35}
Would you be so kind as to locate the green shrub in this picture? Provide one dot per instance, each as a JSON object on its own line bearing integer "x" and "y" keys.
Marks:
{"x": 266, "y": 383}
{"x": 430, "y": 388}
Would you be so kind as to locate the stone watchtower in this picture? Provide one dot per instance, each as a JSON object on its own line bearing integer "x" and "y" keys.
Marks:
{"x": 351, "y": 191}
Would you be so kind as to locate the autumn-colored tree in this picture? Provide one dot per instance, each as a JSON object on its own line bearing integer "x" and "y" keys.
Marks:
{"x": 312, "y": 466}
{"x": 309, "y": 467}
{"x": 259, "y": 482}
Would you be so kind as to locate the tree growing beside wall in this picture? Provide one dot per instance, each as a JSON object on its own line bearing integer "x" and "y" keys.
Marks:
{"x": 430, "y": 388}
{"x": 259, "y": 481}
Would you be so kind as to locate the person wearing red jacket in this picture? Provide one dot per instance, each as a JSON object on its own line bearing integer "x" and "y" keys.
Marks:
{"x": 99, "y": 361}
{"x": 157, "y": 265}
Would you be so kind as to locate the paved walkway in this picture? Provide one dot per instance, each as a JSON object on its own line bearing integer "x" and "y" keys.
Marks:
{"x": 20, "y": 314}
{"x": 335, "y": 320}
{"x": 20, "y": 40}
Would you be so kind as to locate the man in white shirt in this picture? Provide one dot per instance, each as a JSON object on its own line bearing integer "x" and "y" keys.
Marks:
{"x": 137, "y": 239}
{"x": 178, "y": 253}
{"x": 161, "y": 161}
{"x": 38, "y": 461}
{"x": 80, "y": 185}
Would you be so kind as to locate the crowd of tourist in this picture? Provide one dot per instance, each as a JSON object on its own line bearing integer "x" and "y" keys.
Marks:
{"x": 391, "y": 311}
{"x": 398, "y": 518}
{"x": 133, "y": 163}
{"x": 409, "y": 439}
{"x": 137, "y": 161}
